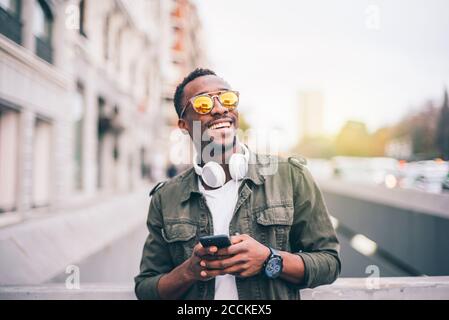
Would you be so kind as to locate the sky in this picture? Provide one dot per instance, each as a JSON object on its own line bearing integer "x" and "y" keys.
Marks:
{"x": 373, "y": 60}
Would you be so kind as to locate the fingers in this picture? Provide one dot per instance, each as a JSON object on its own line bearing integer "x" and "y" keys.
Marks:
{"x": 200, "y": 251}
{"x": 239, "y": 238}
{"x": 235, "y": 260}
{"x": 214, "y": 257}
{"x": 225, "y": 263}
{"x": 234, "y": 270}
{"x": 238, "y": 245}
{"x": 235, "y": 249}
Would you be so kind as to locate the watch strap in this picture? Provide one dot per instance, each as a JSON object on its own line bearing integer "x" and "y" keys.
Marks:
{"x": 269, "y": 257}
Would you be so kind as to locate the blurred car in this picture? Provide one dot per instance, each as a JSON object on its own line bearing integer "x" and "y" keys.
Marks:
{"x": 378, "y": 170}
{"x": 428, "y": 176}
{"x": 320, "y": 168}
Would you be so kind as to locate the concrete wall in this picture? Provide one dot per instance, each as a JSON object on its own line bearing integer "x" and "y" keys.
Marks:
{"x": 117, "y": 262}
{"x": 39, "y": 250}
{"x": 410, "y": 228}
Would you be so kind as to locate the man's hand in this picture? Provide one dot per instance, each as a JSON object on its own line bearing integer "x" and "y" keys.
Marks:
{"x": 175, "y": 284}
{"x": 245, "y": 258}
{"x": 194, "y": 270}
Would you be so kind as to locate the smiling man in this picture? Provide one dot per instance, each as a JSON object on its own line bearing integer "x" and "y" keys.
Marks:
{"x": 281, "y": 234}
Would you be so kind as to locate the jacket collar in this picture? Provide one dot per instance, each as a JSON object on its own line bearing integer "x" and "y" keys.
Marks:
{"x": 189, "y": 180}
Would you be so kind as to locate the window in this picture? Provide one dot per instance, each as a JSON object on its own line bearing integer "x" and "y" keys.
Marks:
{"x": 116, "y": 148}
{"x": 12, "y": 6}
{"x": 132, "y": 75}
{"x": 106, "y": 37}
{"x": 144, "y": 169}
{"x": 42, "y": 163}
{"x": 79, "y": 108}
{"x": 101, "y": 141}
{"x": 9, "y": 149}
{"x": 82, "y": 8}
{"x": 10, "y": 25}
{"x": 118, "y": 51}
{"x": 43, "y": 21}
{"x": 42, "y": 30}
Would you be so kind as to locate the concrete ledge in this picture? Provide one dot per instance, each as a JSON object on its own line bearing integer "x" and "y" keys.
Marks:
{"x": 414, "y": 200}
{"x": 418, "y": 288}
{"x": 414, "y": 288}
{"x": 59, "y": 292}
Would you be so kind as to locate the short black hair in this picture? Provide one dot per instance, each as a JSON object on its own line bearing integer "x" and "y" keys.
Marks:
{"x": 198, "y": 72}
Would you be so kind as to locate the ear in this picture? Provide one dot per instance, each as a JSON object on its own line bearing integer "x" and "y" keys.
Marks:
{"x": 182, "y": 125}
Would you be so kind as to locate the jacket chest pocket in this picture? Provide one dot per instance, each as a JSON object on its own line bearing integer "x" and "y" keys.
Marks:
{"x": 181, "y": 239}
{"x": 273, "y": 226}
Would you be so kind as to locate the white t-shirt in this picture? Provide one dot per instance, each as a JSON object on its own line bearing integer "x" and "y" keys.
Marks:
{"x": 221, "y": 203}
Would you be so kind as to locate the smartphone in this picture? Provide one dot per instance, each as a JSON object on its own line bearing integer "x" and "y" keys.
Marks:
{"x": 220, "y": 241}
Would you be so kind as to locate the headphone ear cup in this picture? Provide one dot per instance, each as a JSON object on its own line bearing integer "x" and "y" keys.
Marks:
{"x": 238, "y": 166}
{"x": 213, "y": 175}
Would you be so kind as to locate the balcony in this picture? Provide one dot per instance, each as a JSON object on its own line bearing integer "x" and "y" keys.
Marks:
{"x": 10, "y": 26}
{"x": 44, "y": 49}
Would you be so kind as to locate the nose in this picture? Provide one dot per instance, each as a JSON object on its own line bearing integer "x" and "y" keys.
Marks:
{"x": 218, "y": 107}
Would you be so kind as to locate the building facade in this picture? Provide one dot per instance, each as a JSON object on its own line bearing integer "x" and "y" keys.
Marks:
{"x": 83, "y": 87}
{"x": 182, "y": 50}
{"x": 33, "y": 105}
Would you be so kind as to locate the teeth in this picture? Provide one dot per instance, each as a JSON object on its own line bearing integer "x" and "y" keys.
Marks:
{"x": 220, "y": 125}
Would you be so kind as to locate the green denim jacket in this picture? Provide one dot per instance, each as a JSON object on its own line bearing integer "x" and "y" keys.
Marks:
{"x": 279, "y": 205}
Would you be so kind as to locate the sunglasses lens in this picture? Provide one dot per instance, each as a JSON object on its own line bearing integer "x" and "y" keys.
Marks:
{"x": 203, "y": 104}
{"x": 229, "y": 99}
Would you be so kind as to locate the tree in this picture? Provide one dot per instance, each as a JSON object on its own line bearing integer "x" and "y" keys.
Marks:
{"x": 379, "y": 141}
{"x": 420, "y": 127}
{"x": 243, "y": 123}
{"x": 353, "y": 140}
{"x": 316, "y": 147}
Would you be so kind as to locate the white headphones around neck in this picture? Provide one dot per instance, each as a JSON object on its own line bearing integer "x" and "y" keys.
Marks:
{"x": 214, "y": 175}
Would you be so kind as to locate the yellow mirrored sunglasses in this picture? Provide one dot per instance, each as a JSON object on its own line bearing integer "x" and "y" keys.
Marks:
{"x": 204, "y": 103}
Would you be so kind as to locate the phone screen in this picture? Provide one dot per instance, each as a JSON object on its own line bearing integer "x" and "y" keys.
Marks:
{"x": 219, "y": 241}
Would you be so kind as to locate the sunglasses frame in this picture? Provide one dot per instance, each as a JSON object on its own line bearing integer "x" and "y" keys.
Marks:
{"x": 212, "y": 96}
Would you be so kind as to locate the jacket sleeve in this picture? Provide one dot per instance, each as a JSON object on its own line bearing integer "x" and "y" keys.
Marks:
{"x": 313, "y": 237}
{"x": 156, "y": 260}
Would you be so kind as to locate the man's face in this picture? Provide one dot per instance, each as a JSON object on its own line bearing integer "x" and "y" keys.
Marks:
{"x": 227, "y": 121}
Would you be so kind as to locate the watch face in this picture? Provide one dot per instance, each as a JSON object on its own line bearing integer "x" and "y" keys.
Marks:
{"x": 274, "y": 267}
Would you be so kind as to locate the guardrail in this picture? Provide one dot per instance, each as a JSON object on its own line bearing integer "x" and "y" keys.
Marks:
{"x": 414, "y": 288}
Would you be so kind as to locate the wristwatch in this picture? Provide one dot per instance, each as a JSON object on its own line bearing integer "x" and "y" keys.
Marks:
{"x": 273, "y": 265}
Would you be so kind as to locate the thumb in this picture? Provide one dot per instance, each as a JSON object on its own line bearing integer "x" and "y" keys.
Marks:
{"x": 237, "y": 238}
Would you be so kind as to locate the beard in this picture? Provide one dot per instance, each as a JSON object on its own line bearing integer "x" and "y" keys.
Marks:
{"x": 214, "y": 151}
